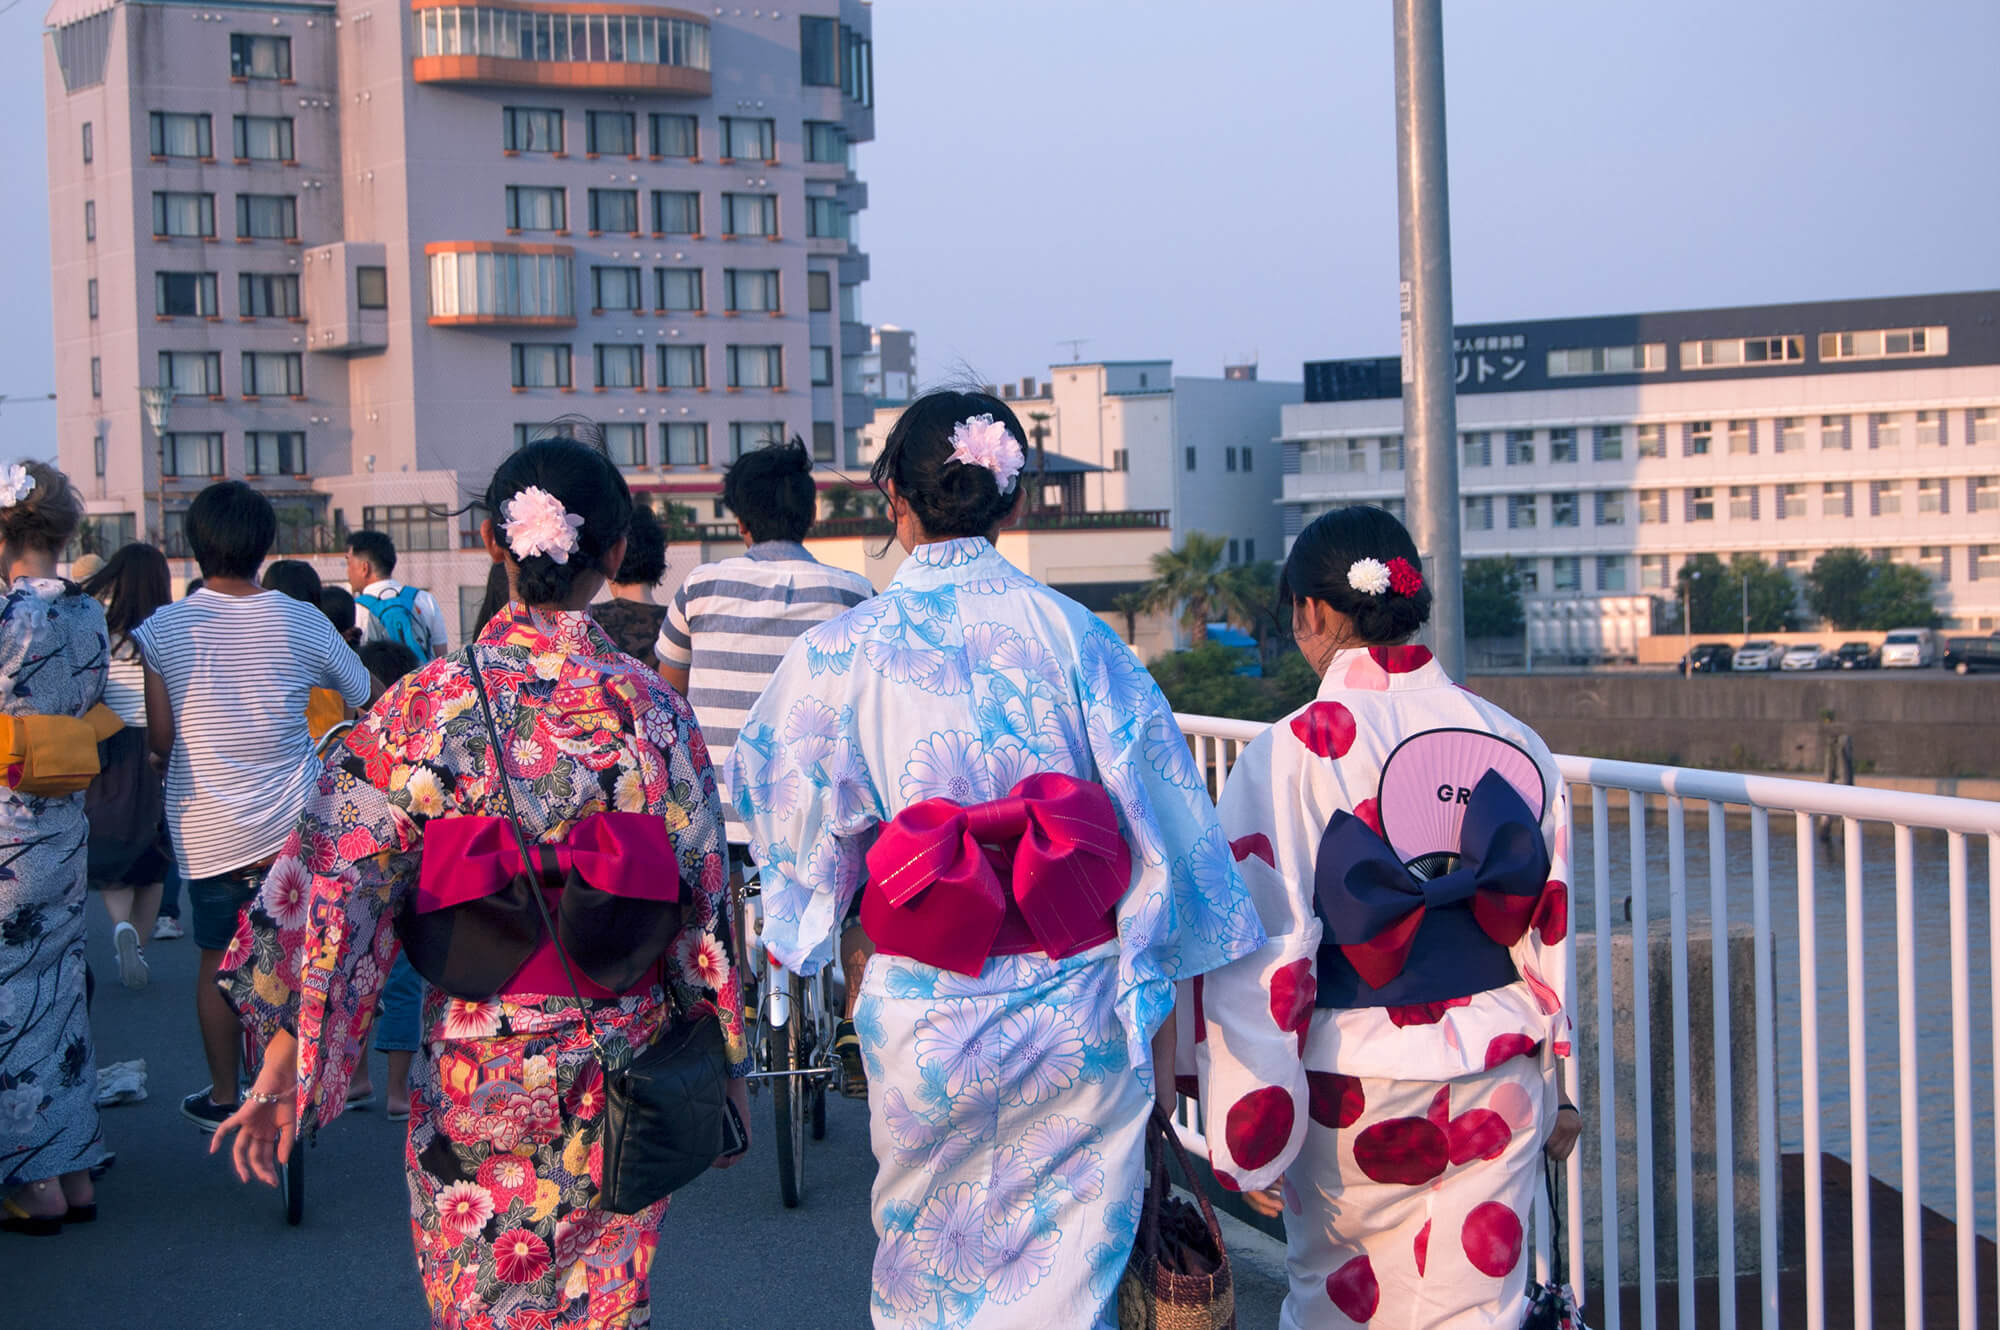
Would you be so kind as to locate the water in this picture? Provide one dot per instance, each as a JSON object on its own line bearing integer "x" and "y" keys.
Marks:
{"x": 1881, "y": 1109}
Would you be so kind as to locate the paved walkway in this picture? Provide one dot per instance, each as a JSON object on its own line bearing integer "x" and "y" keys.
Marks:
{"x": 182, "y": 1244}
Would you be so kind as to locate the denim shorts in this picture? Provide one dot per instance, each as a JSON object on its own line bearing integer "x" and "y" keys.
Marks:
{"x": 217, "y": 901}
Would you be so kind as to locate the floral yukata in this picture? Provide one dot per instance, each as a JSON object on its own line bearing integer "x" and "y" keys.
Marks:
{"x": 1408, "y": 1138}
{"x": 1008, "y": 1107}
{"x": 507, "y": 1098}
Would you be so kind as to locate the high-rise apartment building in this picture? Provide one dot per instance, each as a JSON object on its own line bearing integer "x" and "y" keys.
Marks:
{"x": 355, "y": 254}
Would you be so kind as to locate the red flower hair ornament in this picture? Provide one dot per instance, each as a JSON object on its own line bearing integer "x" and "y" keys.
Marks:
{"x": 1371, "y": 577}
{"x": 1404, "y": 579}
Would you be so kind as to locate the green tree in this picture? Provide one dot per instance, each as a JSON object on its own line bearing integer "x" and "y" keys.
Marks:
{"x": 1250, "y": 600}
{"x": 1192, "y": 584}
{"x": 1836, "y": 585}
{"x": 1492, "y": 598}
{"x": 1206, "y": 681}
{"x": 1898, "y": 596}
{"x": 677, "y": 522}
{"x": 1773, "y": 597}
{"x": 1702, "y": 597}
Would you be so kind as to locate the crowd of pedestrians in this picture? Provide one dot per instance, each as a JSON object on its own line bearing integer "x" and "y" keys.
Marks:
{"x": 963, "y": 789}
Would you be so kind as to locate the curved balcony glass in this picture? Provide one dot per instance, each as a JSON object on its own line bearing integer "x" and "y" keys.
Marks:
{"x": 563, "y": 45}
{"x": 475, "y": 283}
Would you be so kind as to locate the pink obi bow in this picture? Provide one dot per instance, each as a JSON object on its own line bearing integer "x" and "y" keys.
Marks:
{"x": 1039, "y": 870}
{"x": 621, "y": 854}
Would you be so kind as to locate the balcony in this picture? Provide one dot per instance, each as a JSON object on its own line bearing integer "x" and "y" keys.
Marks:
{"x": 584, "y": 46}
{"x": 833, "y": 528}
{"x": 479, "y": 283}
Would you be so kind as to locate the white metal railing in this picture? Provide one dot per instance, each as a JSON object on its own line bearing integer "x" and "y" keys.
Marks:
{"x": 1721, "y": 795}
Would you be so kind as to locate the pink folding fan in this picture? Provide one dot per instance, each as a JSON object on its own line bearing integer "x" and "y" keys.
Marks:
{"x": 1425, "y": 786}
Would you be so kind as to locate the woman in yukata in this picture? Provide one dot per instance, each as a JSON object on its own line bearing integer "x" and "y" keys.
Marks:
{"x": 1383, "y": 1069}
{"x": 408, "y": 826}
{"x": 1041, "y": 864}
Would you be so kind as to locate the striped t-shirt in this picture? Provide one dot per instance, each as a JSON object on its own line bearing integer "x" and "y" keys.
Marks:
{"x": 237, "y": 670}
{"x": 731, "y": 622}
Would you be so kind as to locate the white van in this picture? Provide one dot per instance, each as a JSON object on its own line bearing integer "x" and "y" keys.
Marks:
{"x": 1909, "y": 649}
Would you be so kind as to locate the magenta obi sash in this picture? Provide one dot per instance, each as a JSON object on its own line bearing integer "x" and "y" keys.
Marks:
{"x": 1038, "y": 871}
{"x": 612, "y": 886}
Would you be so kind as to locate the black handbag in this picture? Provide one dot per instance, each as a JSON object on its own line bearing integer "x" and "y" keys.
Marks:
{"x": 664, "y": 1109}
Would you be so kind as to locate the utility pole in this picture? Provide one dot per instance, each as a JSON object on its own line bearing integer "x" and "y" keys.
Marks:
{"x": 1430, "y": 415}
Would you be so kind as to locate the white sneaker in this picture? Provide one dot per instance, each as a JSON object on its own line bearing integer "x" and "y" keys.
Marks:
{"x": 166, "y": 928}
{"x": 132, "y": 971}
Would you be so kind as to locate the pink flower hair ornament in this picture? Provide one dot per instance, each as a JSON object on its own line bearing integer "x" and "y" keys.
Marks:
{"x": 983, "y": 441}
{"x": 537, "y": 523}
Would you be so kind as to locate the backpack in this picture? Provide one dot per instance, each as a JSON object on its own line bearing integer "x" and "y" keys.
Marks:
{"x": 398, "y": 616}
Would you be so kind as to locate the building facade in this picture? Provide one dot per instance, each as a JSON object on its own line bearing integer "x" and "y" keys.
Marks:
{"x": 1603, "y": 453}
{"x": 355, "y": 255}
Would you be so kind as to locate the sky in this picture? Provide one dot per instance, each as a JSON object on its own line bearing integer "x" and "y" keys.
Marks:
{"x": 1212, "y": 181}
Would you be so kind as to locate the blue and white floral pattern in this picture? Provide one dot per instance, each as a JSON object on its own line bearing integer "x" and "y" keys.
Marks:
{"x": 1008, "y": 1107}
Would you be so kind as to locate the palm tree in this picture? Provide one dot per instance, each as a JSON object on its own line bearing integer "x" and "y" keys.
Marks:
{"x": 1192, "y": 582}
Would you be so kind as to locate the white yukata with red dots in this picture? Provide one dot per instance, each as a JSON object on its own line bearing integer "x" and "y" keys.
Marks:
{"x": 1408, "y": 1138}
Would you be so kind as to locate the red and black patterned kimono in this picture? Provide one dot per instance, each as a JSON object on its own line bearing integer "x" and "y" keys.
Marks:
{"x": 507, "y": 1096}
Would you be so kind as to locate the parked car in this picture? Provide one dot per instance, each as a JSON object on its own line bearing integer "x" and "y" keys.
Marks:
{"x": 1806, "y": 656}
{"x": 1909, "y": 649}
{"x": 1756, "y": 654}
{"x": 1708, "y": 658}
{"x": 1963, "y": 655}
{"x": 1857, "y": 656}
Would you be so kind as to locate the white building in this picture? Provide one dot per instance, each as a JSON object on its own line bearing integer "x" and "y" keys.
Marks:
{"x": 1602, "y": 453}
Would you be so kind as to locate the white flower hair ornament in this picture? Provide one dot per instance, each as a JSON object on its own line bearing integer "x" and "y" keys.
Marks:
{"x": 1368, "y": 576}
{"x": 537, "y": 523}
{"x": 983, "y": 441}
{"x": 15, "y": 485}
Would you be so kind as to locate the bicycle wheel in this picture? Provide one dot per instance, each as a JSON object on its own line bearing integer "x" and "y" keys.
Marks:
{"x": 791, "y": 1094}
{"x": 292, "y": 1184}
{"x": 822, "y": 1049}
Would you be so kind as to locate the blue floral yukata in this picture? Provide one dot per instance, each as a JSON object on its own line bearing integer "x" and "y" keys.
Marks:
{"x": 1008, "y": 1108}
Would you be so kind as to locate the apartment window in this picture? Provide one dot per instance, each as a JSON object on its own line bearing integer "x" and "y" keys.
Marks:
{"x": 1652, "y": 441}
{"x": 1528, "y": 571}
{"x": 826, "y": 219}
{"x": 1520, "y": 447}
{"x": 620, "y": 366}
{"x": 262, "y": 138}
{"x": 1520, "y": 512}
{"x": 675, "y": 135}
{"x": 1610, "y": 507}
{"x": 1699, "y": 438}
{"x": 1936, "y": 561}
{"x": 1884, "y": 430}
{"x": 1235, "y": 551}
{"x": 253, "y": 56}
{"x": 274, "y": 453}
{"x": 683, "y": 367}
{"x": 1564, "y": 510}
{"x": 192, "y": 373}
{"x": 261, "y": 295}
{"x": 1249, "y": 458}
{"x": 537, "y": 208}
{"x": 826, "y": 438}
{"x": 182, "y": 134}
{"x": 1607, "y": 443}
{"x": 614, "y": 210}
{"x": 89, "y": 148}
{"x": 749, "y": 435}
{"x": 1883, "y": 343}
{"x": 677, "y": 212}
{"x": 1390, "y": 456}
{"x": 90, "y": 219}
{"x": 822, "y": 367}
{"x": 749, "y": 138}
{"x": 193, "y": 455}
{"x": 1608, "y": 360}
{"x": 1610, "y": 572}
{"x": 371, "y": 287}
{"x": 90, "y": 296}
{"x": 1353, "y": 456}
{"x": 825, "y": 142}
{"x": 412, "y": 526}
{"x": 1985, "y": 560}
{"x": 616, "y": 288}
{"x": 1835, "y": 434}
{"x": 1742, "y": 351}
{"x": 1477, "y": 449}
{"x": 273, "y": 374}
{"x": 819, "y": 291}
{"x": 819, "y": 52}
{"x": 1566, "y": 573}
{"x": 624, "y": 444}
{"x": 1885, "y": 498}
{"x": 1836, "y": 499}
{"x": 1653, "y": 572}
{"x": 1188, "y": 459}
{"x": 749, "y": 214}
{"x": 684, "y": 444}
{"x": 1982, "y": 493}
{"x": 677, "y": 289}
{"x": 1789, "y": 559}
{"x": 1562, "y": 445}
{"x": 1791, "y": 435}
{"x": 1743, "y": 503}
{"x": 531, "y": 129}
{"x": 1119, "y": 458}
{"x": 756, "y": 367}
{"x": 185, "y": 215}
{"x": 1742, "y": 438}
{"x": 1700, "y": 501}
{"x": 97, "y": 381}
{"x": 1931, "y": 495}
{"x": 266, "y": 217}
{"x": 541, "y": 365}
{"x": 611, "y": 133}
{"x": 1985, "y": 425}
{"x": 1479, "y": 512}
{"x": 1228, "y": 459}
{"x": 1930, "y": 429}
{"x": 1791, "y": 503}
{"x": 750, "y": 290}
{"x": 1652, "y": 507}
{"x": 185, "y": 295}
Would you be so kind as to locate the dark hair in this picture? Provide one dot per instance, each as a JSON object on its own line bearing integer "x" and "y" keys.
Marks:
{"x": 230, "y": 528}
{"x": 498, "y": 594}
{"x": 337, "y": 604}
{"x": 388, "y": 661}
{"x": 132, "y": 584}
{"x": 194, "y": 584}
{"x": 375, "y": 547}
{"x": 588, "y": 486}
{"x": 294, "y": 577}
{"x": 49, "y": 515}
{"x": 948, "y": 498}
{"x": 645, "y": 550}
{"x": 771, "y": 491}
{"x": 1317, "y": 568}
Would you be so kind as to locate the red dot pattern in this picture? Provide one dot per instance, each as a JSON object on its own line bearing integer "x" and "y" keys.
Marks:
{"x": 1256, "y": 843}
{"x": 1401, "y": 660}
{"x": 1353, "y": 1289}
{"x": 1292, "y": 993}
{"x": 1428, "y": 1013}
{"x": 1327, "y": 728}
{"x": 1423, "y": 1247}
{"x": 1477, "y": 1133}
{"x": 1505, "y": 1047}
{"x": 1411, "y": 1151}
{"x": 1334, "y": 1099}
{"x": 1258, "y": 1125}
{"x": 1551, "y": 918}
{"x": 1492, "y": 1239}
{"x": 1370, "y": 813}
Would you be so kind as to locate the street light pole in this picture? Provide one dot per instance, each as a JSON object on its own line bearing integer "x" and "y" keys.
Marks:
{"x": 1688, "y": 579}
{"x": 1746, "y": 607}
{"x": 158, "y": 402}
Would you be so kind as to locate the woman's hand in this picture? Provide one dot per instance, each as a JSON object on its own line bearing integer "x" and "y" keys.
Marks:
{"x": 266, "y": 1120}
{"x": 1269, "y": 1202}
{"x": 1562, "y": 1136}
{"x": 739, "y": 1099}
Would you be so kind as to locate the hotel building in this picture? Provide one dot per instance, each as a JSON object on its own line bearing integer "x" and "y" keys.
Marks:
{"x": 353, "y": 255}
{"x": 1602, "y": 453}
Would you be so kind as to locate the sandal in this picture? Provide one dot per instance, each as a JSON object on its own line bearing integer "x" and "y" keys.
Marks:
{"x": 16, "y": 1220}
{"x": 81, "y": 1214}
{"x": 853, "y": 1075}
